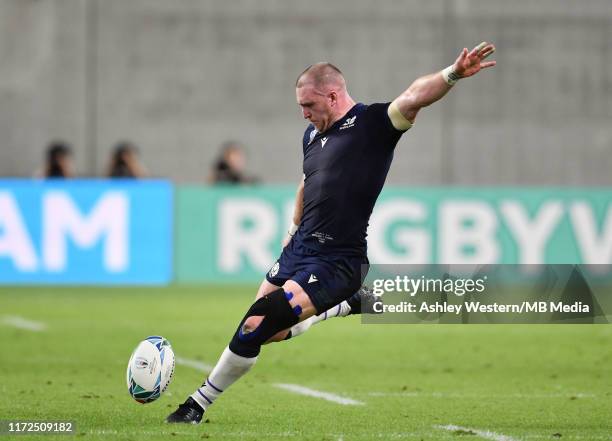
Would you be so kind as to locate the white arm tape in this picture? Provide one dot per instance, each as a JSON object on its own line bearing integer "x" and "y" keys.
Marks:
{"x": 398, "y": 120}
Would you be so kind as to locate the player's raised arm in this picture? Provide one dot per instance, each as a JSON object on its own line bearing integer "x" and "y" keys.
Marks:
{"x": 297, "y": 213}
{"x": 430, "y": 88}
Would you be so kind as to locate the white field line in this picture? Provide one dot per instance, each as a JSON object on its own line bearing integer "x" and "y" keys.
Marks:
{"x": 296, "y": 388}
{"x": 477, "y": 396}
{"x": 21, "y": 323}
{"x": 195, "y": 364}
{"x": 481, "y": 433}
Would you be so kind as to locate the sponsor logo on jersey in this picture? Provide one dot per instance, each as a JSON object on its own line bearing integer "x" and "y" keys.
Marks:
{"x": 313, "y": 279}
{"x": 350, "y": 122}
{"x": 323, "y": 141}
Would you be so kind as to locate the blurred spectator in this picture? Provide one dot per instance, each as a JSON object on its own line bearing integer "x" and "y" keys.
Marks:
{"x": 124, "y": 162}
{"x": 229, "y": 168}
{"x": 58, "y": 162}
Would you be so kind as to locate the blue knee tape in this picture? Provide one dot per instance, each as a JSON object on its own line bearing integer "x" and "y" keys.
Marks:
{"x": 297, "y": 310}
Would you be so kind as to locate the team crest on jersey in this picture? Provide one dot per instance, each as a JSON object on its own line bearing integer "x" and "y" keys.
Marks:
{"x": 350, "y": 122}
{"x": 274, "y": 270}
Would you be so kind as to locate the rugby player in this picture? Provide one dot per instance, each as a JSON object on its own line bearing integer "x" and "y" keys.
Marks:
{"x": 348, "y": 148}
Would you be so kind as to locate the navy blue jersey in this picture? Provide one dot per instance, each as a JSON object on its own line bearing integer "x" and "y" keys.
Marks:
{"x": 345, "y": 168}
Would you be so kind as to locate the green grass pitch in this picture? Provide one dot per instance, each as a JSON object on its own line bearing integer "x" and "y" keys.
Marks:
{"x": 500, "y": 382}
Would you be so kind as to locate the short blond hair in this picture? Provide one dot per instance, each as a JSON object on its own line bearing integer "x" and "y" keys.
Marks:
{"x": 321, "y": 75}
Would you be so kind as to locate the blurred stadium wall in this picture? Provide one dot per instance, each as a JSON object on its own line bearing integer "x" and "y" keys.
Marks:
{"x": 178, "y": 78}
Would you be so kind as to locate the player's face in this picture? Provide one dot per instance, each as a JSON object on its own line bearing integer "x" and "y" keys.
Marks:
{"x": 316, "y": 107}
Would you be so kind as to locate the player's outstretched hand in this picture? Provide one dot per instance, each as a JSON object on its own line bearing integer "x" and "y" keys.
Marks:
{"x": 470, "y": 63}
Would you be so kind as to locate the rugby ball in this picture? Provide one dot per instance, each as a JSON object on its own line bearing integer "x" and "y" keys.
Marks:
{"x": 150, "y": 369}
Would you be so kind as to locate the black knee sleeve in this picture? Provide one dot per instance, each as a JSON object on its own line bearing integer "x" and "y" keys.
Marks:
{"x": 277, "y": 315}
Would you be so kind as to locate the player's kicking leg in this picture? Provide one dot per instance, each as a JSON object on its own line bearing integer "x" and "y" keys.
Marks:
{"x": 271, "y": 314}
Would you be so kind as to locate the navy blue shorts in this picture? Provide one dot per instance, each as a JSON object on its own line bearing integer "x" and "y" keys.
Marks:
{"x": 328, "y": 280}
